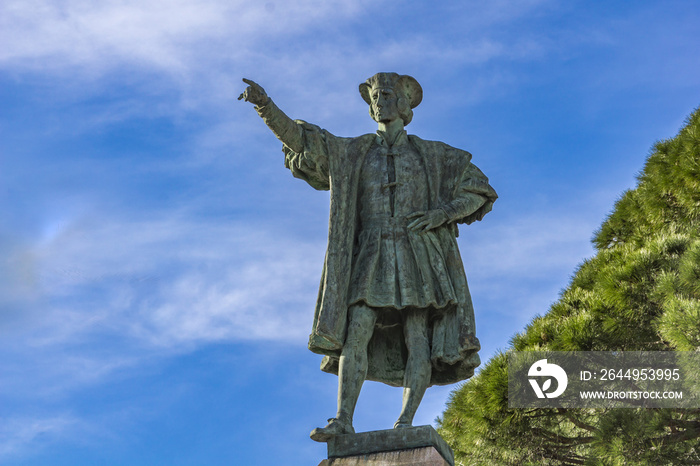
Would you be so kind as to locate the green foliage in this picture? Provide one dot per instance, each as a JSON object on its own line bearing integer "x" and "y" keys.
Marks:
{"x": 640, "y": 292}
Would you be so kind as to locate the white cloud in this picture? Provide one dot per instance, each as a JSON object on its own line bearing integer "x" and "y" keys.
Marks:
{"x": 107, "y": 296}
{"x": 516, "y": 267}
{"x": 270, "y": 299}
{"x": 17, "y": 434}
{"x": 201, "y": 48}
{"x": 166, "y": 34}
{"x": 171, "y": 281}
{"x": 532, "y": 246}
{"x": 176, "y": 280}
{"x": 17, "y": 272}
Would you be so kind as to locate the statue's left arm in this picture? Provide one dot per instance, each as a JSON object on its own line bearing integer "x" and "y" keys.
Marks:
{"x": 471, "y": 199}
{"x": 461, "y": 207}
{"x": 465, "y": 204}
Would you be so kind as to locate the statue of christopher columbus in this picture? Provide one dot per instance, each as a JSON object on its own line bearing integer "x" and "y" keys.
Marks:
{"x": 393, "y": 305}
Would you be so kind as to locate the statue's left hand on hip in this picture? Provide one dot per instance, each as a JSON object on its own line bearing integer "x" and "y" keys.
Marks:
{"x": 425, "y": 221}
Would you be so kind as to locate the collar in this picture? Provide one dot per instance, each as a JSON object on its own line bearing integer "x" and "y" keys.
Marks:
{"x": 401, "y": 139}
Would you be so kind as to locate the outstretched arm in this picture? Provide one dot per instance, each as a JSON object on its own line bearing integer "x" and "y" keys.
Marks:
{"x": 280, "y": 124}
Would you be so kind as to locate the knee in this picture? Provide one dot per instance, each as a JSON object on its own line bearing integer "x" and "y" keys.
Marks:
{"x": 357, "y": 338}
{"x": 416, "y": 333}
{"x": 418, "y": 344}
{"x": 360, "y": 328}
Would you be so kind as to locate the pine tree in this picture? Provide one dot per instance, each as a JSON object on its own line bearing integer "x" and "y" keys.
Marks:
{"x": 640, "y": 292}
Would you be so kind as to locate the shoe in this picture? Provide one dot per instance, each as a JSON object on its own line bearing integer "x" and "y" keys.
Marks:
{"x": 335, "y": 427}
{"x": 402, "y": 425}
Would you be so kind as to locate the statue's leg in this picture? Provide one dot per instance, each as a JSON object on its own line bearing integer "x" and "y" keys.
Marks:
{"x": 351, "y": 372}
{"x": 418, "y": 368}
{"x": 353, "y": 359}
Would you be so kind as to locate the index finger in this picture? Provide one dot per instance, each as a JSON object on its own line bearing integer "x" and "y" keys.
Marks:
{"x": 248, "y": 81}
{"x": 415, "y": 214}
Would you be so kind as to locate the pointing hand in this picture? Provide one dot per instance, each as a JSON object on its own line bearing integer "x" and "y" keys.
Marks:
{"x": 254, "y": 94}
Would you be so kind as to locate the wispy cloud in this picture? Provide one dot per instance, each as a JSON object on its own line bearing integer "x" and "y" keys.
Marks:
{"x": 106, "y": 296}
{"x": 516, "y": 267}
{"x": 43, "y": 34}
{"x": 173, "y": 281}
{"x": 201, "y": 48}
{"x": 177, "y": 279}
{"x": 533, "y": 246}
{"x": 17, "y": 434}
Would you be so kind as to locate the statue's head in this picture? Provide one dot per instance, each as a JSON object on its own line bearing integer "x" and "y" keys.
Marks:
{"x": 406, "y": 89}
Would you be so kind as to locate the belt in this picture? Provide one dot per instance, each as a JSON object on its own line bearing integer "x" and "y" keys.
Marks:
{"x": 384, "y": 222}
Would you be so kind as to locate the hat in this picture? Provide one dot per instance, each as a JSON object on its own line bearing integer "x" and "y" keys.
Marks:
{"x": 399, "y": 82}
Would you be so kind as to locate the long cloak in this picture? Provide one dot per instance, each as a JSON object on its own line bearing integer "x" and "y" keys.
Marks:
{"x": 333, "y": 163}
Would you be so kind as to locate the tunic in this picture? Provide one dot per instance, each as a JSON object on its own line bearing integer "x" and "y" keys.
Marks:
{"x": 392, "y": 266}
{"x": 372, "y": 257}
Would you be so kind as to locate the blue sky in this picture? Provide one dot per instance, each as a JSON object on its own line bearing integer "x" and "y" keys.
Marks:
{"x": 160, "y": 266}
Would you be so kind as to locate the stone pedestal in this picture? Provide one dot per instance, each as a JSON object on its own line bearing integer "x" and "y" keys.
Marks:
{"x": 413, "y": 446}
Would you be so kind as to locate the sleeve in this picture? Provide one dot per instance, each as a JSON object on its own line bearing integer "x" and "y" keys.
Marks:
{"x": 311, "y": 163}
{"x": 465, "y": 204}
{"x": 305, "y": 146}
{"x": 473, "y": 198}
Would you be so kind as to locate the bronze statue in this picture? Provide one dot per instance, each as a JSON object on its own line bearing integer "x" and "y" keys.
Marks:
{"x": 393, "y": 305}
